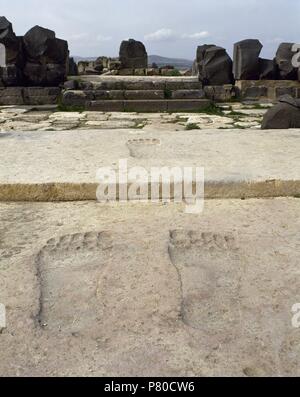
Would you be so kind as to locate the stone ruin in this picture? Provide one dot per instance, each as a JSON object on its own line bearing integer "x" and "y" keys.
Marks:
{"x": 41, "y": 60}
{"x": 247, "y": 76}
{"x": 214, "y": 66}
{"x": 133, "y": 55}
{"x": 36, "y": 59}
{"x": 133, "y": 60}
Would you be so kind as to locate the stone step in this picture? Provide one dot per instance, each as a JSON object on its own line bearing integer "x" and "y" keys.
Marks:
{"x": 237, "y": 163}
{"x": 181, "y": 99}
{"x": 162, "y": 105}
{"x": 188, "y": 94}
{"x": 139, "y": 85}
{"x": 122, "y": 94}
{"x": 30, "y": 96}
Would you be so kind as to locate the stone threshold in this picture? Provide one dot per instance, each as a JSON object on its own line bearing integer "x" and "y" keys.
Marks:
{"x": 64, "y": 192}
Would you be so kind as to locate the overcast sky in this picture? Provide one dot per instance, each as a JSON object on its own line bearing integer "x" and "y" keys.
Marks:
{"x": 167, "y": 27}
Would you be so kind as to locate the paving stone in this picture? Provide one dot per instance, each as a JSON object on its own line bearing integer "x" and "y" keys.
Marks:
{"x": 235, "y": 166}
{"x": 111, "y": 124}
{"x": 182, "y": 312}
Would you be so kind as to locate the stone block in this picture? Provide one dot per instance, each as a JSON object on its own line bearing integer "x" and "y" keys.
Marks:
{"x": 11, "y": 100}
{"x": 146, "y": 106}
{"x": 183, "y": 85}
{"x": 255, "y": 93}
{"x": 144, "y": 94}
{"x": 188, "y": 94}
{"x": 246, "y": 59}
{"x": 280, "y": 91}
{"x": 11, "y": 92}
{"x": 74, "y": 98}
{"x": 105, "y": 106}
{"x": 223, "y": 93}
{"x": 133, "y": 55}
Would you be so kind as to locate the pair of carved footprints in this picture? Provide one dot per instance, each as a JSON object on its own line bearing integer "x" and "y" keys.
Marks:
{"x": 70, "y": 268}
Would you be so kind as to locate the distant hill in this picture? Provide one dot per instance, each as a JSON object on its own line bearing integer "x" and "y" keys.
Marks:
{"x": 159, "y": 60}
{"x": 176, "y": 62}
{"x": 79, "y": 58}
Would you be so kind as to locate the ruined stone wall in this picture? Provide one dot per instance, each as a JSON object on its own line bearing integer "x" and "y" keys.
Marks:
{"x": 213, "y": 65}
{"x": 36, "y": 59}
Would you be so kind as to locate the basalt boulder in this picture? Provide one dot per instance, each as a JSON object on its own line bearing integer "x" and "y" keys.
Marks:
{"x": 284, "y": 56}
{"x": 47, "y": 57}
{"x": 13, "y": 44}
{"x": 286, "y": 114}
{"x": 267, "y": 69}
{"x": 73, "y": 68}
{"x": 214, "y": 65}
{"x": 133, "y": 55}
{"x": 12, "y": 59}
{"x": 6, "y": 29}
{"x": 246, "y": 59}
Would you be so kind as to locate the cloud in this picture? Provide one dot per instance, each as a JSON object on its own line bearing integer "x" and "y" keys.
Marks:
{"x": 78, "y": 36}
{"x": 199, "y": 35}
{"x": 161, "y": 35}
{"x": 275, "y": 40}
{"x": 103, "y": 38}
{"x": 165, "y": 34}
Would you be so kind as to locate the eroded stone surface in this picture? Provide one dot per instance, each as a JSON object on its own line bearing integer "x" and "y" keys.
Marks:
{"x": 26, "y": 118}
{"x": 128, "y": 293}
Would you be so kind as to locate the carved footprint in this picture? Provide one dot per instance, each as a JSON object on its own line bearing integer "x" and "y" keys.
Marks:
{"x": 70, "y": 269}
{"x": 208, "y": 266}
{"x": 143, "y": 148}
{"x": 96, "y": 283}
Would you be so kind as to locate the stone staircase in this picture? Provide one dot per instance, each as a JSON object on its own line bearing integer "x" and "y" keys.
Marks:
{"x": 135, "y": 94}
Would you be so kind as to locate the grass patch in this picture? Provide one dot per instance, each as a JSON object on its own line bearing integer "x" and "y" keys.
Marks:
{"x": 61, "y": 107}
{"x": 168, "y": 93}
{"x": 65, "y": 108}
{"x": 174, "y": 73}
{"x": 212, "y": 109}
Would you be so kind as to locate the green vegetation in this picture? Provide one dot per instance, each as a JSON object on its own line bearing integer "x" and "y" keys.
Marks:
{"x": 212, "y": 109}
{"x": 168, "y": 93}
{"x": 174, "y": 73}
{"x": 61, "y": 107}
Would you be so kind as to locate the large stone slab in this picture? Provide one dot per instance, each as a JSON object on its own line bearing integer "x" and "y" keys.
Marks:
{"x": 147, "y": 290}
{"x": 237, "y": 163}
{"x": 265, "y": 88}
